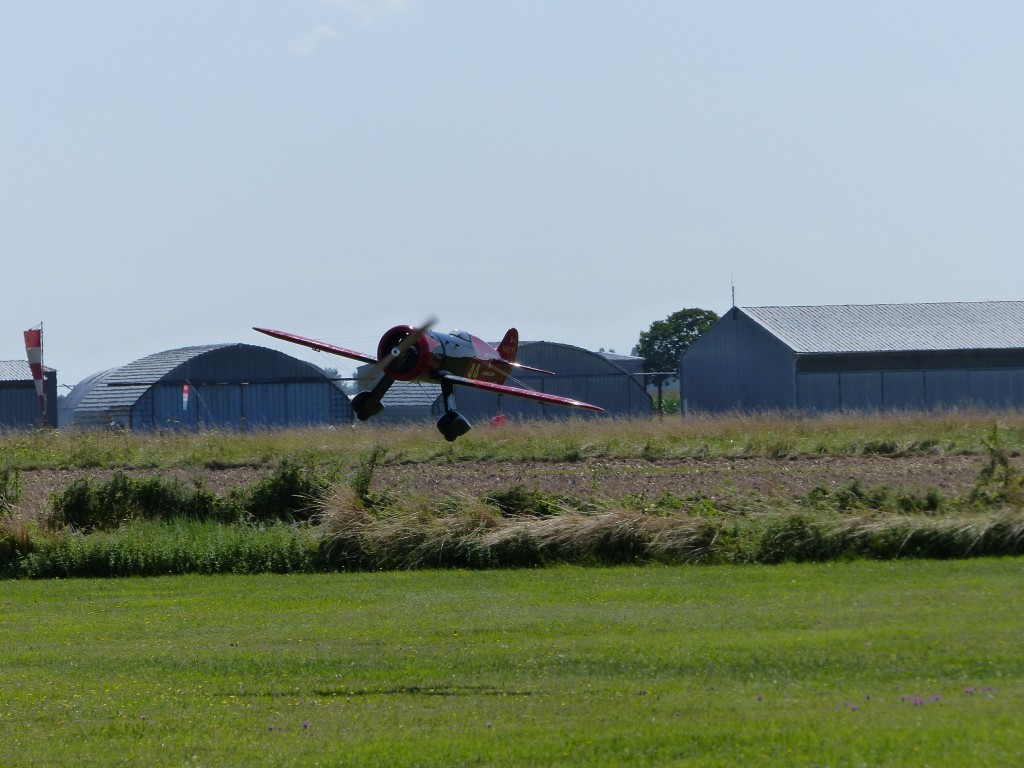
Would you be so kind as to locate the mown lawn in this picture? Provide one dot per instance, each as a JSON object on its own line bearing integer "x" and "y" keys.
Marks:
{"x": 859, "y": 663}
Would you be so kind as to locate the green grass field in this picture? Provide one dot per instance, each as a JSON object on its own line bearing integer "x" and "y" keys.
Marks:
{"x": 915, "y": 663}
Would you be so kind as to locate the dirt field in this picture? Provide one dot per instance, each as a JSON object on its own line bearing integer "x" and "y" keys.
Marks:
{"x": 757, "y": 477}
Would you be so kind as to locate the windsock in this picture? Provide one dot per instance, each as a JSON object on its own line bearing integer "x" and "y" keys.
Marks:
{"x": 34, "y": 350}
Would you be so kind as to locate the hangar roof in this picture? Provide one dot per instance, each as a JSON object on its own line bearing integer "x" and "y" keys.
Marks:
{"x": 895, "y": 327}
{"x": 568, "y": 359}
{"x": 411, "y": 394}
{"x": 123, "y": 386}
{"x": 17, "y": 370}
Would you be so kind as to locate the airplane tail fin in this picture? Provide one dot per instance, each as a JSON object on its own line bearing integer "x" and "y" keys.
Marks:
{"x": 509, "y": 346}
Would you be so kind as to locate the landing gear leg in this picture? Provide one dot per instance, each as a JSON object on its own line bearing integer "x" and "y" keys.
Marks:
{"x": 367, "y": 404}
{"x": 452, "y": 424}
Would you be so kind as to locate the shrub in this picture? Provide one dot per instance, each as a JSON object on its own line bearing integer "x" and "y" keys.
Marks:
{"x": 880, "y": 447}
{"x": 517, "y": 500}
{"x": 10, "y": 489}
{"x": 173, "y": 547}
{"x": 77, "y": 506}
{"x": 795, "y": 539}
{"x": 15, "y": 542}
{"x": 288, "y": 493}
{"x": 853, "y": 497}
{"x": 998, "y": 482}
{"x": 89, "y": 505}
{"x": 362, "y": 479}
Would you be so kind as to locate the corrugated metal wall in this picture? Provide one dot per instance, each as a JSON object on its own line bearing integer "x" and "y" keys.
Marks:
{"x": 19, "y": 403}
{"x": 736, "y": 364}
{"x": 238, "y": 405}
{"x": 911, "y": 389}
{"x": 579, "y": 374}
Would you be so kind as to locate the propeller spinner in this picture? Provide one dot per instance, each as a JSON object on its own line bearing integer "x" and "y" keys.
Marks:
{"x": 404, "y": 352}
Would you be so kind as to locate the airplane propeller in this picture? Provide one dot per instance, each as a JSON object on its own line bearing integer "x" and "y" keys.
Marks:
{"x": 405, "y": 344}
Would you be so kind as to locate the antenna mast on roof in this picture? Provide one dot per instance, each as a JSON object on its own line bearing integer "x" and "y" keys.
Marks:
{"x": 732, "y": 285}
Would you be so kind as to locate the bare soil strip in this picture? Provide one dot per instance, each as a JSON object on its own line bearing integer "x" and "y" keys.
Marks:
{"x": 759, "y": 478}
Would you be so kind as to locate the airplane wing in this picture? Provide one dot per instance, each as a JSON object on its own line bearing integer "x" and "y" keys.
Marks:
{"x": 319, "y": 346}
{"x": 518, "y": 392}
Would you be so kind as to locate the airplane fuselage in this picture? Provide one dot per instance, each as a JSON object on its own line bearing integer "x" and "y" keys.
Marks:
{"x": 459, "y": 353}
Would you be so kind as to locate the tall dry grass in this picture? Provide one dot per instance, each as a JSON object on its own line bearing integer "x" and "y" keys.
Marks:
{"x": 574, "y": 438}
{"x": 472, "y": 533}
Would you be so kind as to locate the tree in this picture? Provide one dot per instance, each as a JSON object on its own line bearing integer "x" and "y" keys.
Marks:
{"x": 663, "y": 344}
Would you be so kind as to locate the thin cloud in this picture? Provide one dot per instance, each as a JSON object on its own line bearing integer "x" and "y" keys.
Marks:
{"x": 308, "y": 43}
{"x": 369, "y": 11}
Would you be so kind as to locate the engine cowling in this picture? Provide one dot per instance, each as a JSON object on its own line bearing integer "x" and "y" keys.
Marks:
{"x": 407, "y": 359}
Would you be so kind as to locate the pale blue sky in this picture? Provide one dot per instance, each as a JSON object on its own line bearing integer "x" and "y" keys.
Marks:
{"x": 172, "y": 173}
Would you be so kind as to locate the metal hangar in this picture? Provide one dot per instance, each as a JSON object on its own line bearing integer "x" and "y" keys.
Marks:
{"x": 19, "y": 401}
{"x": 216, "y": 386}
{"x": 859, "y": 357}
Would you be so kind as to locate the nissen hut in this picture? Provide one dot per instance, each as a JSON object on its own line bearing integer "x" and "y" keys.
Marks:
{"x": 215, "y": 386}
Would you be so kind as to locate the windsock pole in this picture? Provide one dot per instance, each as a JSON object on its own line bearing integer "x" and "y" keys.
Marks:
{"x": 34, "y": 350}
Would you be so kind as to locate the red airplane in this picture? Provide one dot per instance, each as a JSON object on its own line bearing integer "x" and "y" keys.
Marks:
{"x": 407, "y": 353}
